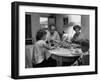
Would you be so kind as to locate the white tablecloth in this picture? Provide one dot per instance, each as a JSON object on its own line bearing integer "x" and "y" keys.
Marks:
{"x": 66, "y": 52}
{"x": 60, "y": 52}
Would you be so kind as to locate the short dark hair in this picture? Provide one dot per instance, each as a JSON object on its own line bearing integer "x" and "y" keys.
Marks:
{"x": 40, "y": 34}
{"x": 77, "y": 26}
{"x": 85, "y": 45}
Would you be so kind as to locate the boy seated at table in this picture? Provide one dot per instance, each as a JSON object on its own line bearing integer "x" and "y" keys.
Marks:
{"x": 84, "y": 58}
{"x": 85, "y": 50}
{"x": 40, "y": 59}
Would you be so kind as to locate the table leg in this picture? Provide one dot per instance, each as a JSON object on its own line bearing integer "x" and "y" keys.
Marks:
{"x": 59, "y": 61}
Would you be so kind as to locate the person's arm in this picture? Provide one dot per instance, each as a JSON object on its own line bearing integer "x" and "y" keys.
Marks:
{"x": 46, "y": 46}
{"x": 48, "y": 36}
{"x": 75, "y": 38}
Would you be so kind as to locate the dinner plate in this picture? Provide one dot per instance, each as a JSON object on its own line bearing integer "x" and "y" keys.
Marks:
{"x": 76, "y": 51}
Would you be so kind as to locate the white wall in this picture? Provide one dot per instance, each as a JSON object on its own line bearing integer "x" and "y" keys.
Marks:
{"x": 85, "y": 26}
{"x": 35, "y": 23}
{"x": 5, "y": 40}
{"x": 75, "y": 19}
{"x": 59, "y": 22}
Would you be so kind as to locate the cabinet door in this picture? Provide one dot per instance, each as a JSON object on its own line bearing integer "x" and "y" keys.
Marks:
{"x": 28, "y": 26}
{"x": 28, "y": 33}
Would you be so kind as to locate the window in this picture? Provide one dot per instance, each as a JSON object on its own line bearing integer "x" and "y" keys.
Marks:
{"x": 44, "y": 22}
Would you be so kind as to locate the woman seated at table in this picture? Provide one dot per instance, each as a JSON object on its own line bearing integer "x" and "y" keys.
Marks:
{"x": 52, "y": 34}
{"x": 40, "y": 50}
{"x": 77, "y": 29}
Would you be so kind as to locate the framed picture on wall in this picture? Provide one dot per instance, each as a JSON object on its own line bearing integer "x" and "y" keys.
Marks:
{"x": 39, "y": 51}
{"x": 65, "y": 21}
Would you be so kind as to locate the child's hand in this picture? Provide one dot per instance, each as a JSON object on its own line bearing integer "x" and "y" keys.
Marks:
{"x": 52, "y": 48}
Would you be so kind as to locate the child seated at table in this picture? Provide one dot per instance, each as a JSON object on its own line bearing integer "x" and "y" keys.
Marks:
{"x": 85, "y": 50}
{"x": 84, "y": 58}
{"x": 40, "y": 50}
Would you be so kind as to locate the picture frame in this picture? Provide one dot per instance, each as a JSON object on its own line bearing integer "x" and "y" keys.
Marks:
{"x": 17, "y": 37}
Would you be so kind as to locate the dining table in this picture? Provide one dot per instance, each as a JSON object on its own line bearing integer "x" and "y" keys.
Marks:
{"x": 60, "y": 54}
{"x": 65, "y": 55}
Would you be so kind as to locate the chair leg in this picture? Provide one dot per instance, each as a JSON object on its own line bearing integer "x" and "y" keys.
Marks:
{"x": 75, "y": 63}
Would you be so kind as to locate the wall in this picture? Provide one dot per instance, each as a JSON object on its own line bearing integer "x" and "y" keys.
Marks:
{"x": 35, "y": 23}
{"x": 85, "y": 27}
{"x": 59, "y": 22}
{"x": 76, "y": 19}
{"x": 72, "y": 20}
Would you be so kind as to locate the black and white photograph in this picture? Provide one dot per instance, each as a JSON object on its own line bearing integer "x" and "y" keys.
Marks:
{"x": 51, "y": 43}
{"x": 50, "y": 40}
